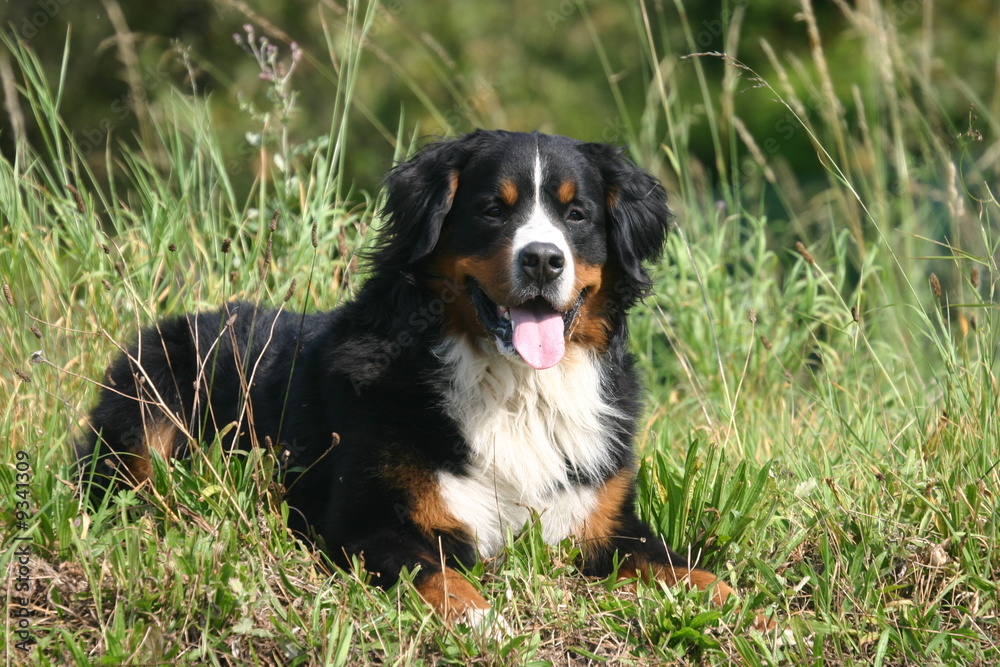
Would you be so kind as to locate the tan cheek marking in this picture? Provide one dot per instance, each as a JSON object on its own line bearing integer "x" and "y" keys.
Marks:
{"x": 589, "y": 275}
{"x": 508, "y": 192}
{"x": 592, "y": 327}
{"x": 566, "y": 192}
{"x": 491, "y": 272}
{"x": 450, "y": 594}
{"x": 452, "y": 271}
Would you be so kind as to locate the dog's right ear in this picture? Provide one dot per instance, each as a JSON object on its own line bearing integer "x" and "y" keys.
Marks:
{"x": 420, "y": 194}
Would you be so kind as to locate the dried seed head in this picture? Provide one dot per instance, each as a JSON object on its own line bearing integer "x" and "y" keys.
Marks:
{"x": 76, "y": 197}
{"x": 291, "y": 290}
{"x": 172, "y": 247}
{"x": 267, "y": 252}
{"x": 342, "y": 243}
{"x": 935, "y": 285}
{"x": 120, "y": 270}
{"x": 273, "y": 225}
{"x": 7, "y": 294}
{"x": 226, "y": 244}
{"x": 268, "y": 443}
{"x": 975, "y": 277}
{"x": 36, "y": 331}
{"x": 315, "y": 234}
{"x": 765, "y": 342}
{"x": 106, "y": 283}
{"x": 937, "y": 556}
{"x": 753, "y": 316}
{"x": 21, "y": 374}
{"x": 806, "y": 255}
{"x": 231, "y": 320}
{"x": 854, "y": 314}
{"x": 106, "y": 249}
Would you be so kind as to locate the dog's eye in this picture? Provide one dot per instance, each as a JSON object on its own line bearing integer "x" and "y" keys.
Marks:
{"x": 575, "y": 215}
{"x": 494, "y": 212}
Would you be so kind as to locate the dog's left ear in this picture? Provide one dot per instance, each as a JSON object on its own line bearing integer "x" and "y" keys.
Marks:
{"x": 420, "y": 194}
{"x": 638, "y": 214}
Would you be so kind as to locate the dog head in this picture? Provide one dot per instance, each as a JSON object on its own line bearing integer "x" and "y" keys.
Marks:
{"x": 545, "y": 237}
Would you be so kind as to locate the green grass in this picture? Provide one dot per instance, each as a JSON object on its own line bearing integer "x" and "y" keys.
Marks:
{"x": 822, "y": 429}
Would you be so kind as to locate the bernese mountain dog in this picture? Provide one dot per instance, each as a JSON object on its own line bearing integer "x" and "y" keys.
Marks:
{"x": 480, "y": 381}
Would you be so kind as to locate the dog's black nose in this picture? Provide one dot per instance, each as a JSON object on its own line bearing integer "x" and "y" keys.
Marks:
{"x": 541, "y": 262}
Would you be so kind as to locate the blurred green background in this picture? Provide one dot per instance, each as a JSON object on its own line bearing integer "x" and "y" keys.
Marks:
{"x": 437, "y": 67}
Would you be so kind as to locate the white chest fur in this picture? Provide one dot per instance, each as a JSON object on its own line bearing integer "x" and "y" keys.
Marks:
{"x": 527, "y": 431}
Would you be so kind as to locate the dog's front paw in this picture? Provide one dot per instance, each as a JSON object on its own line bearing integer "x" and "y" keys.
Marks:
{"x": 486, "y": 622}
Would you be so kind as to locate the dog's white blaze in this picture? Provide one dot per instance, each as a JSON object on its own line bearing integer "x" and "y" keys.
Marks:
{"x": 540, "y": 227}
{"x": 526, "y": 430}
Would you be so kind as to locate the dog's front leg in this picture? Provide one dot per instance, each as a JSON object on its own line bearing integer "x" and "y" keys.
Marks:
{"x": 614, "y": 533}
{"x": 386, "y": 553}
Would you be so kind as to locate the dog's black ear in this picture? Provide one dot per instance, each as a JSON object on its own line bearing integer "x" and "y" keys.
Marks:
{"x": 638, "y": 214}
{"x": 420, "y": 194}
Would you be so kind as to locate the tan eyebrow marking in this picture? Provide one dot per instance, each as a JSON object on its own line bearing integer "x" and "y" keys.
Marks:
{"x": 508, "y": 192}
{"x": 566, "y": 192}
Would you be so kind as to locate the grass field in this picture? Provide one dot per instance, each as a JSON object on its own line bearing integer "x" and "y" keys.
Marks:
{"x": 823, "y": 426}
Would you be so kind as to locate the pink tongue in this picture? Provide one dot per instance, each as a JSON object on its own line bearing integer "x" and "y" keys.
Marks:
{"x": 538, "y": 336}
